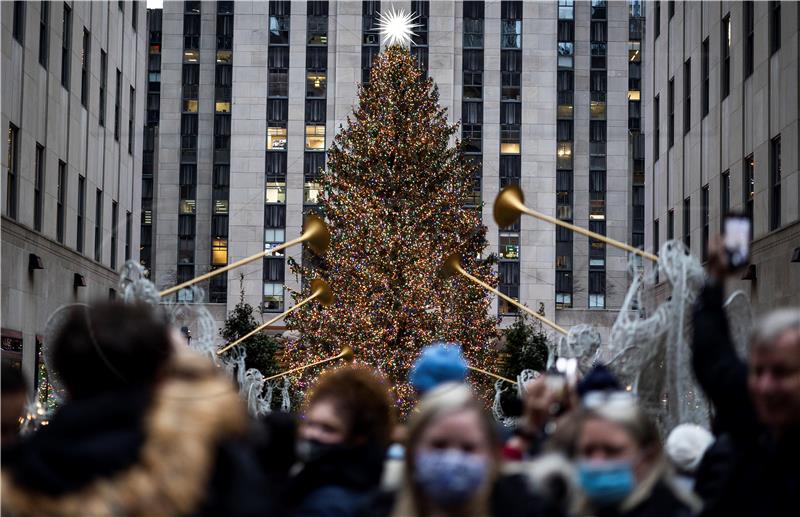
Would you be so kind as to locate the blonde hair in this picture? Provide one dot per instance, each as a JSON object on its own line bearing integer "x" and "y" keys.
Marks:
{"x": 446, "y": 399}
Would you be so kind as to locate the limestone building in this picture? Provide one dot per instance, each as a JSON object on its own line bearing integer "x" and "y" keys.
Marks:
{"x": 72, "y": 104}
{"x": 252, "y": 93}
{"x": 721, "y": 103}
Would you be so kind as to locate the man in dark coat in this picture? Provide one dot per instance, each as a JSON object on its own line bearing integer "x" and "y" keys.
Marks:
{"x": 757, "y": 406}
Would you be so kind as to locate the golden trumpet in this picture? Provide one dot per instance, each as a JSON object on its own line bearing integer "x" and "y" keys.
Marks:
{"x": 320, "y": 290}
{"x": 315, "y": 232}
{"x": 346, "y": 354}
{"x": 510, "y": 204}
{"x": 490, "y": 374}
{"x": 452, "y": 265}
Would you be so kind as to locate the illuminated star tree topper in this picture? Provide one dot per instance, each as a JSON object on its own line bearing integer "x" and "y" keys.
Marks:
{"x": 396, "y": 27}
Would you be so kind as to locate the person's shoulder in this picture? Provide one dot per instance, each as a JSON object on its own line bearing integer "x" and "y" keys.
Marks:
{"x": 512, "y": 496}
{"x": 331, "y": 501}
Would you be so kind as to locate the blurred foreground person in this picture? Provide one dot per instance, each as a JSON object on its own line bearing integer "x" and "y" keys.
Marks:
{"x": 685, "y": 447}
{"x": 757, "y": 406}
{"x": 349, "y": 419}
{"x": 621, "y": 466}
{"x": 453, "y": 466}
{"x": 145, "y": 429}
{"x": 12, "y": 405}
{"x": 438, "y": 363}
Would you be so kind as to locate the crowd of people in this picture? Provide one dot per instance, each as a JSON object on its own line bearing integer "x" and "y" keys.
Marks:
{"x": 150, "y": 428}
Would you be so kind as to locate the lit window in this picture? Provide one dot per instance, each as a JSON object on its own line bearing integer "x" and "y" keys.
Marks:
{"x": 315, "y": 137}
{"x": 219, "y": 252}
{"x": 221, "y": 206}
{"x": 224, "y": 56}
{"x": 509, "y": 148}
{"x": 635, "y": 51}
{"x": 634, "y": 95}
{"x": 147, "y": 217}
{"x": 565, "y": 111}
{"x": 276, "y": 138}
{"x": 222, "y": 106}
{"x": 273, "y": 297}
{"x": 190, "y": 105}
{"x": 276, "y": 192}
{"x": 187, "y": 206}
{"x": 191, "y": 56}
{"x": 155, "y": 48}
{"x": 316, "y": 83}
{"x": 598, "y": 109}
{"x": 564, "y": 155}
{"x": 312, "y": 190}
{"x": 509, "y": 247}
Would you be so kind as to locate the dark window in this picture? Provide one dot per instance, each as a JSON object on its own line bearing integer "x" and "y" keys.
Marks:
{"x": 66, "y": 45}
{"x": 687, "y": 223}
{"x": 38, "y": 188}
{"x": 670, "y": 224}
{"x": 131, "y": 113}
{"x": 61, "y": 200}
{"x": 317, "y": 21}
{"x": 725, "y": 78}
{"x": 656, "y": 127}
{"x": 724, "y": 197}
{"x": 279, "y": 19}
{"x": 19, "y": 21}
{"x": 85, "y": 60}
{"x": 706, "y": 78}
{"x": 117, "y": 100}
{"x": 671, "y": 113}
{"x": 44, "y": 33}
{"x": 101, "y": 114}
{"x": 687, "y": 96}
{"x": 511, "y": 24}
{"x": 774, "y": 27}
{"x": 597, "y": 289}
{"x": 98, "y": 226}
{"x": 749, "y": 189}
{"x": 657, "y": 18}
{"x": 128, "y": 235}
{"x": 134, "y": 14}
{"x": 775, "y": 183}
{"x": 81, "y": 211}
{"x": 13, "y": 171}
{"x": 705, "y": 222}
{"x": 114, "y": 225}
{"x": 656, "y": 243}
{"x": 749, "y": 38}
{"x": 473, "y": 24}
{"x": 671, "y": 8}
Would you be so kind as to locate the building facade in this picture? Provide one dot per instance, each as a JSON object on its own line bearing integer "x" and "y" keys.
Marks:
{"x": 721, "y": 100}
{"x": 72, "y": 105}
{"x": 253, "y": 93}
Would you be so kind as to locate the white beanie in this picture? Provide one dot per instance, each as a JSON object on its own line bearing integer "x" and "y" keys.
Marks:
{"x": 686, "y": 445}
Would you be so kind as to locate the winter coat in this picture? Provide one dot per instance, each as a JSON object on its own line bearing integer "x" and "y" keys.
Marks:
{"x": 172, "y": 449}
{"x": 755, "y": 473}
{"x": 338, "y": 482}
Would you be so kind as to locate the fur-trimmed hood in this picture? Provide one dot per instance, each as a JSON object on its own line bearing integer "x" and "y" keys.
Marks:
{"x": 164, "y": 448}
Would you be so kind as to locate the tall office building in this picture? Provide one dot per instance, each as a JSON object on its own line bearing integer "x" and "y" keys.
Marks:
{"x": 72, "y": 107}
{"x": 721, "y": 100}
{"x": 253, "y": 93}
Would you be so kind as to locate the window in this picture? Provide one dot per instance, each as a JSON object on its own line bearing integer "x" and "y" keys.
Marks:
{"x": 671, "y": 113}
{"x": 597, "y": 195}
{"x": 98, "y": 226}
{"x": 749, "y": 38}
{"x": 656, "y": 127}
{"x": 775, "y": 183}
{"x": 774, "y": 26}
{"x": 191, "y": 25}
{"x": 131, "y": 113}
{"x": 724, "y": 198}
{"x": 656, "y": 243}
{"x": 687, "y": 96}
{"x": 134, "y": 14}
{"x": 597, "y": 289}
{"x": 564, "y": 155}
{"x": 279, "y": 17}
{"x": 566, "y": 9}
{"x": 81, "y": 210}
{"x": 749, "y": 189}
{"x": 508, "y": 284}
{"x": 38, "y": 188}
{"x": 101, "y": 112}
{"x": 85, "y": 59}
{"x": 473, "y": 24}
{"x": 671, "y": 8}
{"x": 276, "y": 138}
{"x": 317, "y": 21}
{"x": 705, "y": 221}
{"x": 61, "y": 200}
{"x": 726, "y": 56}
{"x": 114, "y": 225}
{"x": 273, "y": 297}
{"x": 509, "y": 246}
{"x": 13, "y": 171}
{"x": 316, "y": 84}
{"x": 706, "y": 81}
{"x": 66, "y": 43}
{"x": 511, "y": 34}
{"x": 117, "y": 100}
{"x": 19, "y": 21}
{"x": 687, "y": 224}
{"x": 670, "y": 224}
{"x": 275, "y": 191}
{"x": 657, "y": 18}
{"x": 563, "y": 289}
{"x": 128, "y": 235}
{"x": 315, "y": 137}
{"x": 44, "y": 33}
{"x": 219, "y": 252}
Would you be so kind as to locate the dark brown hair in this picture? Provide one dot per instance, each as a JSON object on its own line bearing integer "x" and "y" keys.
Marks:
{"x": 362, "y": 398}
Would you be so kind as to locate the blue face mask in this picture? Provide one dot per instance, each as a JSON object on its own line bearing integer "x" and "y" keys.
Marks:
{"x": 449, "y": 476}
{"x": 606, "y": 483}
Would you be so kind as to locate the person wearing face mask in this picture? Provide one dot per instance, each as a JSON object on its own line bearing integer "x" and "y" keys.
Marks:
{"x": 453, "y": 464}
{"x": 620, "y": 462}
{"x": 346, "y": 429}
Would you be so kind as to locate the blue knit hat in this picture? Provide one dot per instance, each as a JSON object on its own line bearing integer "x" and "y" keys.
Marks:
{"x": 439, "y": 362}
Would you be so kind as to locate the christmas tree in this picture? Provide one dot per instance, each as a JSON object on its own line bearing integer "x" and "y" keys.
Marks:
{"x": 393, "y": 195}
{"x": 525, "y": 348}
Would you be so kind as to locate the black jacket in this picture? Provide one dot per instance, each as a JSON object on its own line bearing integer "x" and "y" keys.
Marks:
{"x": 752, "y": 474}
{"x": 177, "y": 449}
